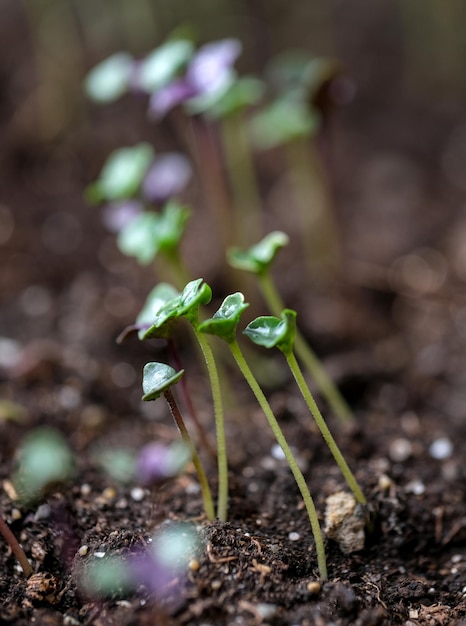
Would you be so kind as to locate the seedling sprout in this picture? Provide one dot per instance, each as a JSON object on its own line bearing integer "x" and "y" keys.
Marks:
{"x": 258, "y": 260}
{"x": 270, "y": 331}
{"x": 158, "y": 379}
{"x": 223, "y": 324}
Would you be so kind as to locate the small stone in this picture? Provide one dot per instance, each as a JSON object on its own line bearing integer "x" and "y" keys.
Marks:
{"x": 99, "y": 555}
{"x": 314, "y": 587}
{"x": 416, "y": 487}
{"x": 400, "y": 450}
{"x": 385, "y": 482}
{"x": 266, "y": 610}
{"x": 216, "y": 584}
{"x": 109, "y": 493}
{"x": 83, "y": 550}
{"x": 344, "y": 522}
{"x": 277, "y": 452}
{"x": 137, "y": 494}
{"x": 441, "y": 448}
{"x": 194, "y": 565}
{"x": 41, "y": 588}
{"x": 15, "y": 514}
{"x": 294, "y": 536}
{"x": 85, "y": 489}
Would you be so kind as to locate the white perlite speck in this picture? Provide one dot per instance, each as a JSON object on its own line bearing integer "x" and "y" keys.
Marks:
{"x": 441, "y": 448}
{"x": 344, "y": 522}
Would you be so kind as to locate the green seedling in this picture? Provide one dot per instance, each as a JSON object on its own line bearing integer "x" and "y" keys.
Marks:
{"x": 186, "y": 305}
{"x": 158, "y": 379}
{"x": 150, "y": 234}
{"x": 163, "y": 64}
{"x": 157, "y": 298}
{"x": 223, "y": 324}
{"x": 258, "y": 260}
{"x": 122, "y": 174}
{"x": 15, "y": 548}
{"x": 44, "y": 461}
{"x": 271, "y": 331}
{"x": 110, "y": 79}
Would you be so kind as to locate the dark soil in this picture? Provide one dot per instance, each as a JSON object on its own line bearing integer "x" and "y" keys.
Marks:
{"x": 392, "y": 332}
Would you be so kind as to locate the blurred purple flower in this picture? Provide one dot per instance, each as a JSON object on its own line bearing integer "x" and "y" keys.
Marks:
{"x": 151, "y": 572}
{"x": 170, "y": 96}
{"x": 210, "y": 71}
{"x": 153, "y": 464}
{"x": 117, "y": 215}
{"x": 210, "y": 68}
{"x": 167, "y": 177}
{"x": 157, "y": 462}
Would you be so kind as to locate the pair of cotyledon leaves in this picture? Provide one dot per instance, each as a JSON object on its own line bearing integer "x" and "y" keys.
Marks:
{"x": 266, "y": 331}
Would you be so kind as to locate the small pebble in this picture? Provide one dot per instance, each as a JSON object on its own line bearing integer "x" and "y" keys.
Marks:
{"x": 85, "y": 489}
{"x": 216, "y": 584}
{"x": 400, "y": 450}
{"x": 266, "y": 610}
{"x": 15, "y": 514}
{"x": 137, "y": 494}
{"x": 99, "y": 555}
{"x": 194, "y": 565}
{"x": 441, "y": 448}
{"x": 415, "y": 487}
{"x": 344, "y": 522}
{"x": 277, "y": 452}
{"x": 109, "y": 493}
{"x": 83, "y": 550}
{"x": 314, "y": 587}
{"x": 294, "y": 536}
{"x": 385, "y": 482}
{"x": 43, "y": 512}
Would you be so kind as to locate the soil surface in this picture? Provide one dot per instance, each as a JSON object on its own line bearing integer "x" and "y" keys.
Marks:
{"x": 391, "y": 331}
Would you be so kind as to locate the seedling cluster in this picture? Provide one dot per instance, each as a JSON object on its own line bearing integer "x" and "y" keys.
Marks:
{"x": 229, "y": 119}
{"x": 224, "y": 121}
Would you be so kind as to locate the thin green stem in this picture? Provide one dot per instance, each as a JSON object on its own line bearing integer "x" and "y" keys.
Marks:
{"x": 205, "y": 489}
{"x": 311, "y": 189}
{"x": 243, "y": 179}
{"x": 203, "y": 437}
{"x": 15, "y": 548}
{"x": 178, "y": 269}
{"x": 280, "y": 437}
{"x": 327, "y": 435}
{"x": 306, "y": 354}
{"x": 222, "y": 504}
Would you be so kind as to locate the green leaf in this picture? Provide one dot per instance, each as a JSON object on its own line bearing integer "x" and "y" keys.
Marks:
{"x": 281, "y": 122}
{"x": 206, "y": 101}
{"x": 170, "y": 226}
{"x": 186, "y": 304}
{"x": 109, "y": 80}
{"x": 44, "y": 459}
{"x": 157, "y": 378}
{"x": 242, "y": 93}
{"x": 260, "y": 256}
{"x": 150, "y": 233}
{"x": 164, "y": 63}
{"x": 225, "y": 321}
{"x": 138, "y": 238}
{"x": 273, "y": 332}
{"x": 157, "y": 298}
{"x": 122, "y": 173}
{"x": 195, "y": 293}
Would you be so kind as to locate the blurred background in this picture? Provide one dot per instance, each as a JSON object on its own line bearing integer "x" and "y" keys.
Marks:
{"x": 399, "y": 142}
